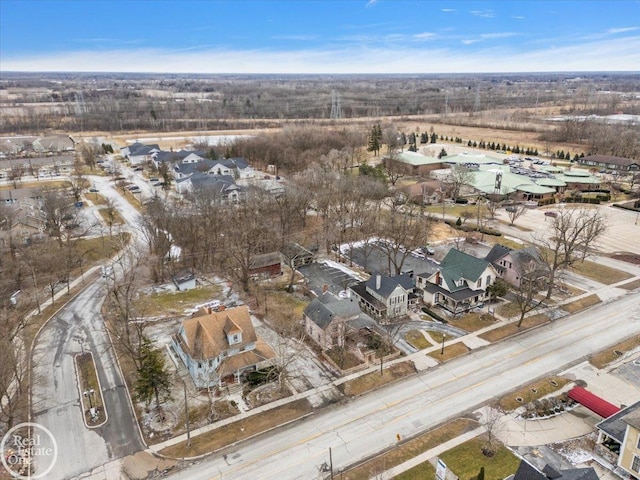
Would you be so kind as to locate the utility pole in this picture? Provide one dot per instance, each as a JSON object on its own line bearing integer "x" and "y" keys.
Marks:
{"x": 186, "y": 413}
{"x": 331, "y": 463}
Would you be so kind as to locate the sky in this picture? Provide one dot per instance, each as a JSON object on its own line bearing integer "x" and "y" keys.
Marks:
{"x": 321, "y": 36}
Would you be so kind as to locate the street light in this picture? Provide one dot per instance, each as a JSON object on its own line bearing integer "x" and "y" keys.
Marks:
{"x": 444, "y": 335}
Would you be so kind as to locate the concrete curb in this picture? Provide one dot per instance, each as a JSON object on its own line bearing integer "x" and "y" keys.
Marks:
{"x": 84, "y": 418}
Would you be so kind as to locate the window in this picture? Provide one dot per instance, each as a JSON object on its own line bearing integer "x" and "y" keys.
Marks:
{"x": 479, "y": 283}
{"x": 635, "y": 465}
{"x": 488, "y": 280}
{"x": 638, "y": 445}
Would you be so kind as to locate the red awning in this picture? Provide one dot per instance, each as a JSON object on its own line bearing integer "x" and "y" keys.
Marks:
{"x": 592, "y": 402}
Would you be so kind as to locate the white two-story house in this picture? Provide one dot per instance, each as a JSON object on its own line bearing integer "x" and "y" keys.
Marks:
{"x": 382, "y": 297}
{"x": 219, "y": 347}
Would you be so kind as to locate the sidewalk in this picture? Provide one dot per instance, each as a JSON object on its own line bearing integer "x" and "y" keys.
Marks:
{"x": 432, "y": 453}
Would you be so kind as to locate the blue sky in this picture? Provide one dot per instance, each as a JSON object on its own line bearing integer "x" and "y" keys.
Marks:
{"x": 336, "y": 36}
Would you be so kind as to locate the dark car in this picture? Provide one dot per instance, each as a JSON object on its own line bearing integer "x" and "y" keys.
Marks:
{"x": 551, "y": 214}
{"x": 93, "y": 190}
{"x": 511, "y": 209}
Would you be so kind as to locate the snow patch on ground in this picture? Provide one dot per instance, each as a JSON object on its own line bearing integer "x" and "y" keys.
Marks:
{"x": 343, "y": 268}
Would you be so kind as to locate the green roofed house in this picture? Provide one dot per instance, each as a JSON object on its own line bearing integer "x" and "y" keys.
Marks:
{"x": 459, "y": 284}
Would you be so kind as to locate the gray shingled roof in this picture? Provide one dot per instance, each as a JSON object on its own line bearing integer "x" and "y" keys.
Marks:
{"x": 387, "y": 284}
{"x": 324, "y": 309}
{"x": 496, "y": 253}
{"x": 527, "y": 472}
{"x": 615, "y": 426}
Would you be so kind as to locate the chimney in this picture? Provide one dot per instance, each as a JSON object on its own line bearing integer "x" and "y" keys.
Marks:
{"x": 325, "y": 288}
{"x": 378, "y": 281}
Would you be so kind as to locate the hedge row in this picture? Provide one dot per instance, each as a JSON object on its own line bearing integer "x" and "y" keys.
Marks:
{"x": 472, "y": 228}
{"x": 434, "y": 315}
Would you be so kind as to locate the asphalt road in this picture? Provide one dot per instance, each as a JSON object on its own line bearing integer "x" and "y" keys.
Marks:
{"x": 370, "y": 423}
{"x": 56, "y": 399}
{"x": 55, "y": 395}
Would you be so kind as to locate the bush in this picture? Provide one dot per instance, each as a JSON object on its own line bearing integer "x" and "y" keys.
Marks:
{"x": 433, "y": 314}
{"x": 546, "y": 201}
{"x": 463, "y": 201}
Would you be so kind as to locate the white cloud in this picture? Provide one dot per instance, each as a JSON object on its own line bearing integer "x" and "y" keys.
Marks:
{"x": 482, "y": 13}
{"x": 613, "y": 31}
{"x": 613, "y": 54}
{"x": 424, "y": 36}
{"x": 518, "y": 17}
{"x": 469, "y": 41}
{"x": 448, "y": 10}
{"x": 370, "y": 3}
{"x": 487, "y": 36}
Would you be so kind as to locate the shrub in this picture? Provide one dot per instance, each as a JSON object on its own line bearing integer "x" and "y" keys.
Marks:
{"x": 433, "y": 314}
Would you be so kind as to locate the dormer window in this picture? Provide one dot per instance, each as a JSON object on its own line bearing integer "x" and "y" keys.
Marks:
{"x": 234, "y": 338}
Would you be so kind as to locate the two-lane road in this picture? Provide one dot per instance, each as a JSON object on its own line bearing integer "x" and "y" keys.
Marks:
{"x": 370, "y": 423}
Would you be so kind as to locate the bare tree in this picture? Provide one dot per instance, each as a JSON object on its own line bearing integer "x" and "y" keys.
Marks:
{"x": 491, "y": 421}
{"x": 60, "y": 214}
{"x": 404, "y": 230}
{"x": 515, "y": 211}
{"x": 571, "y": 236}
{"x": 458, "y": 178}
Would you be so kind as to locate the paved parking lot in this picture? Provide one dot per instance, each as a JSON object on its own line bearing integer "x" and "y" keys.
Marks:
{"x": 377, "y": 261}
{"x": 319, "y": 274}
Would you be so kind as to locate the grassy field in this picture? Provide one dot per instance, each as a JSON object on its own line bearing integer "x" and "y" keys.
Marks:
{"x": 450, "y": 351}
{"x": 631, "y": 285}
{"x": 472, "y": 321}
{"x": 408, "y": 450}
{"x": 581, "y": 304}
{"x": 599, "y": 273}
{"x": 101, "y": 248}
{"x": 240, "y": 430}
{"x": 466, "y": 459}
{"x": 605, "y": 357}
{"x": 417, "y": 339}
{"x": 508, "y": 310}
{"x": 512, "y": 328}
{"x": 374, "y": 380}
{"x": 117, "y": 218}
{"x": 162, "y": 303}
{"x": 530, "y": 392}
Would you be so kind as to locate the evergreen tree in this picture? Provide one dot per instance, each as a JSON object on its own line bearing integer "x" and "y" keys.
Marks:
{"x": 443, "y": 153}
{"x": 434, "y": 138}
{"x": 154, "y": 379}
{"x": 403, "y": 138}
{"x": 375, "y": 139}
{"x": 481, "y": 474}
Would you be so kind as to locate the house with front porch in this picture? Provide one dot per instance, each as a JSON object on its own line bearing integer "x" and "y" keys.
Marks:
{"x": 383, "y": 297}
{"x": 619, "y": 440}
{"x": 218, "y": 347}
{"x": 459, "y": 284}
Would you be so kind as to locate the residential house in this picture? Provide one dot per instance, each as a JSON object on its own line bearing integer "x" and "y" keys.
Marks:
{"x": 620, "y": 434}
{"x": 223, "y": 187}
{"x": 526, "y": 471}
{"x": 328, "y": 319}
{"x": 138, "y": 153}
{"x": 460, "y": 283}
{"x": 512, "y": 265}
{"x": 383, "y": 297}
{"x": 218, "y": 347}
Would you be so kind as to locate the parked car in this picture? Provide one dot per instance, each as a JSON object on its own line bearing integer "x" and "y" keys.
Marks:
{"x": 511, "y": 209}
{"x": 551, "y": 214}
{"x": 93, "y": 190}
{"x": 133, "y": 188}
{"x": 428, "y": 250}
